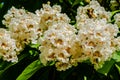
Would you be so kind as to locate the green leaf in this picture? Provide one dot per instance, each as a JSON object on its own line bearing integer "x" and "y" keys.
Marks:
{"x": 51, "y": 63}
{"x": 61, "y": 1}
{"x": 30, "y": 70}
{"x": 118, "y": 67}
{"x": 1, "y": 5}
{"x": 77, "y": 2}
{"x": 34, "y": 45}
{"x": 106, "y": 67}
{"x": 6, "y": 65}
{"x": 114, "y": 12}
{"x": 85, "y": 78}
{"x": 71, "y": 1}
{"x": 116, "y": 56}
{"x": 33, "y": 53}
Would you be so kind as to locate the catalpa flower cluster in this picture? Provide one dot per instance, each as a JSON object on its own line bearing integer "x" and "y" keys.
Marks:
{"x": 92, "y": 38}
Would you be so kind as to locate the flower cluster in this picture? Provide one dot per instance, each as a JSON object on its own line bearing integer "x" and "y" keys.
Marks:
{"x": 92, "y": 11}
{"x": 24, "y": 26}
{"x": 56, "y": 44}
{"x": 97, "y": 40}
{"x": 94, "y": 39}
{"x": 50, "y": 15}
{"x": 8, "y": 48}
{"x": 96, "y": 35}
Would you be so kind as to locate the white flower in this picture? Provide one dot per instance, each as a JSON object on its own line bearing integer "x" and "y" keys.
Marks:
{"x": 51, "y": 15}
{"x": 60, "y": 42}
{"x": 91, "y": 11}
{"x": 117, "y": 19}
{"x": 55, "y": 43}
{"x": 97, "y": 38}
{"x": 24, "y": 26}
{"x": 8, "y": 48}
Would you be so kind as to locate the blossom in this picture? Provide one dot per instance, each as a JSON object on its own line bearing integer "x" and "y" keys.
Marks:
{"x": 51, "y": 15}
{"x": 117, "y": 19}
{"x": 56, "y": 43}
{"x": 96, "y": 38}
{"x": 8, "y": 48}
{"x": 24, "y": 26}
{"x": 91, "y": 11}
